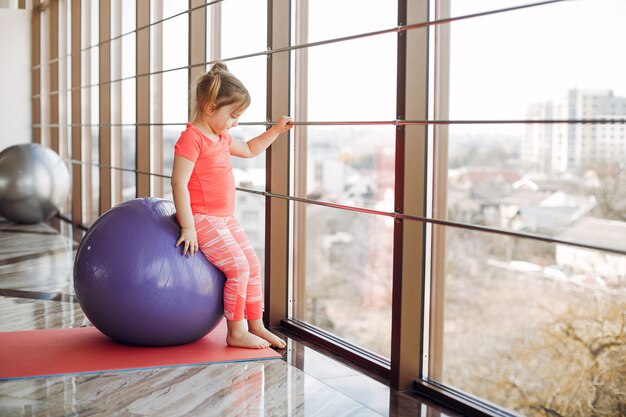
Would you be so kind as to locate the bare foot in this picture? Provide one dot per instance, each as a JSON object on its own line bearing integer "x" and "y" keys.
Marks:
{"x": 257, "y": 328}
{"x": 238, "y": 336}
{"x": 247, "y": 340}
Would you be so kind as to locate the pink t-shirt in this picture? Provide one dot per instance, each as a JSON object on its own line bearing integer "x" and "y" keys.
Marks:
{"x": 212, "y": 185}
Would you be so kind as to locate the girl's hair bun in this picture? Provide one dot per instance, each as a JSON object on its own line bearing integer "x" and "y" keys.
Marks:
{"x": 218, "y": 67}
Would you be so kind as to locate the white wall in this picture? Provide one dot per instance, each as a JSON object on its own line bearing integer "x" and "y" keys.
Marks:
{"x": 15, "y": 81}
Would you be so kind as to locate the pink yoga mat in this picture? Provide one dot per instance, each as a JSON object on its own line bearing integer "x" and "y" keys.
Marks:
{"x": 50, "y": 352}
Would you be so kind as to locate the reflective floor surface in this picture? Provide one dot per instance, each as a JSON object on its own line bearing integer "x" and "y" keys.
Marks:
{"x": 36, "y": 292}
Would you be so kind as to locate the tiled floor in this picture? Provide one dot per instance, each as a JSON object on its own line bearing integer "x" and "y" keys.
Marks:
{"x": 36, "y": 292}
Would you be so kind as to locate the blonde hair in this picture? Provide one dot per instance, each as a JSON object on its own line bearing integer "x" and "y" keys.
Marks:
{"x": 218, "y": 88}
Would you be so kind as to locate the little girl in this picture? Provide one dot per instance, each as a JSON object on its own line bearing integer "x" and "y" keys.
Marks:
{"x": 204, "y": 196}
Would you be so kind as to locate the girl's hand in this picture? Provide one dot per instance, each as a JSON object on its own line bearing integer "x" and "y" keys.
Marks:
{"x": 284, "y": 124}
{"x": 189, "y": 237}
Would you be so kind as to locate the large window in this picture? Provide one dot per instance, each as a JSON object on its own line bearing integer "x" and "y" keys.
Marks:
{"x": 343, "y": 258}
{"x": 533, "y": 326}
{"x": 169, "y": 45}
{"x": 123, "y": 102}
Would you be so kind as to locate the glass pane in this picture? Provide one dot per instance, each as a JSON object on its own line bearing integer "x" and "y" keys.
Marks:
{"x": 65, "y": 104}
{"x": 172, "y": 7}
{"x": 90, "y": 62}
{"x": 248, "y": 172}
{"x": 116, "y": 137}
{"x": 166, "y": 186}
{"x": 527, "y": 324}
{"x": 465, "y": 7}
{"x": 346, "y": 286}
{"x": 175, "y": 96}
{"x": 67, "y": 28}
{"x": 342, "y": 274}
{"x": 165, "y": 137}
{"x": 546, "y": 181}
{"x": 94, "y": 22}
{"x": 123, "y": 101}
{"x": 250, "y": 211}
{"x": 68, "y": 94}
{"x": 351, "y": 165}
{"x": 540, "y": 177}
{"x": 173, "y": 42}
{"x": 244, "y": 27}
{"x": 90, "y": 150}
{"x": 211, "y": 13}
{"x": 128, "y": 161}
{"x": 253, "y": 74}
{"x": 330, "y": 19}
{"x": 129, "y": 16}
{"x": 337, "y": 92}
{"x": 67, "y": 204}
{"x": 94, "y": 66}
{"x": 129, "y": 56}
{"x": 94, "y": 190}
{"x": 128, "y": 105}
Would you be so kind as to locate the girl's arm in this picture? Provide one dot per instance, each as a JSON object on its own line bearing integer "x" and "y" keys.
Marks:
{"x": 255, "y": 146}
{"x": 181, "y": 173}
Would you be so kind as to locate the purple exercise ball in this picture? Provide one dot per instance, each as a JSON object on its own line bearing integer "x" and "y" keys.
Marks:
{"x": 137, "y": 287}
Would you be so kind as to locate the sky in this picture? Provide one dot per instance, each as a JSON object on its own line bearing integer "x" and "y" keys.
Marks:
{"x": 538, "y": 55}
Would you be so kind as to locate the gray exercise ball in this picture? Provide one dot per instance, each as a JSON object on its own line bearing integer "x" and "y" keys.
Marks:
{"x": 34, "y": 183}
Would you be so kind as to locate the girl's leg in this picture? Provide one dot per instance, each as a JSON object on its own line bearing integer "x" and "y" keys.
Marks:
{"x": 254, "y": 293}
{"x": 219, "y": 246}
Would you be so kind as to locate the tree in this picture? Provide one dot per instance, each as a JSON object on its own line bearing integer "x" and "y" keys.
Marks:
{"x": 609, "y": 189}
{"x": 574, "y": 367}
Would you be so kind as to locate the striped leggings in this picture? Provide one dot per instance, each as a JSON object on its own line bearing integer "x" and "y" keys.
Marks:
{"x": 225, "y": 244}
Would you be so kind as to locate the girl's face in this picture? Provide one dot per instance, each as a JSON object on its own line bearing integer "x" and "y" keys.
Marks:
{"x": 224, "y": 118}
